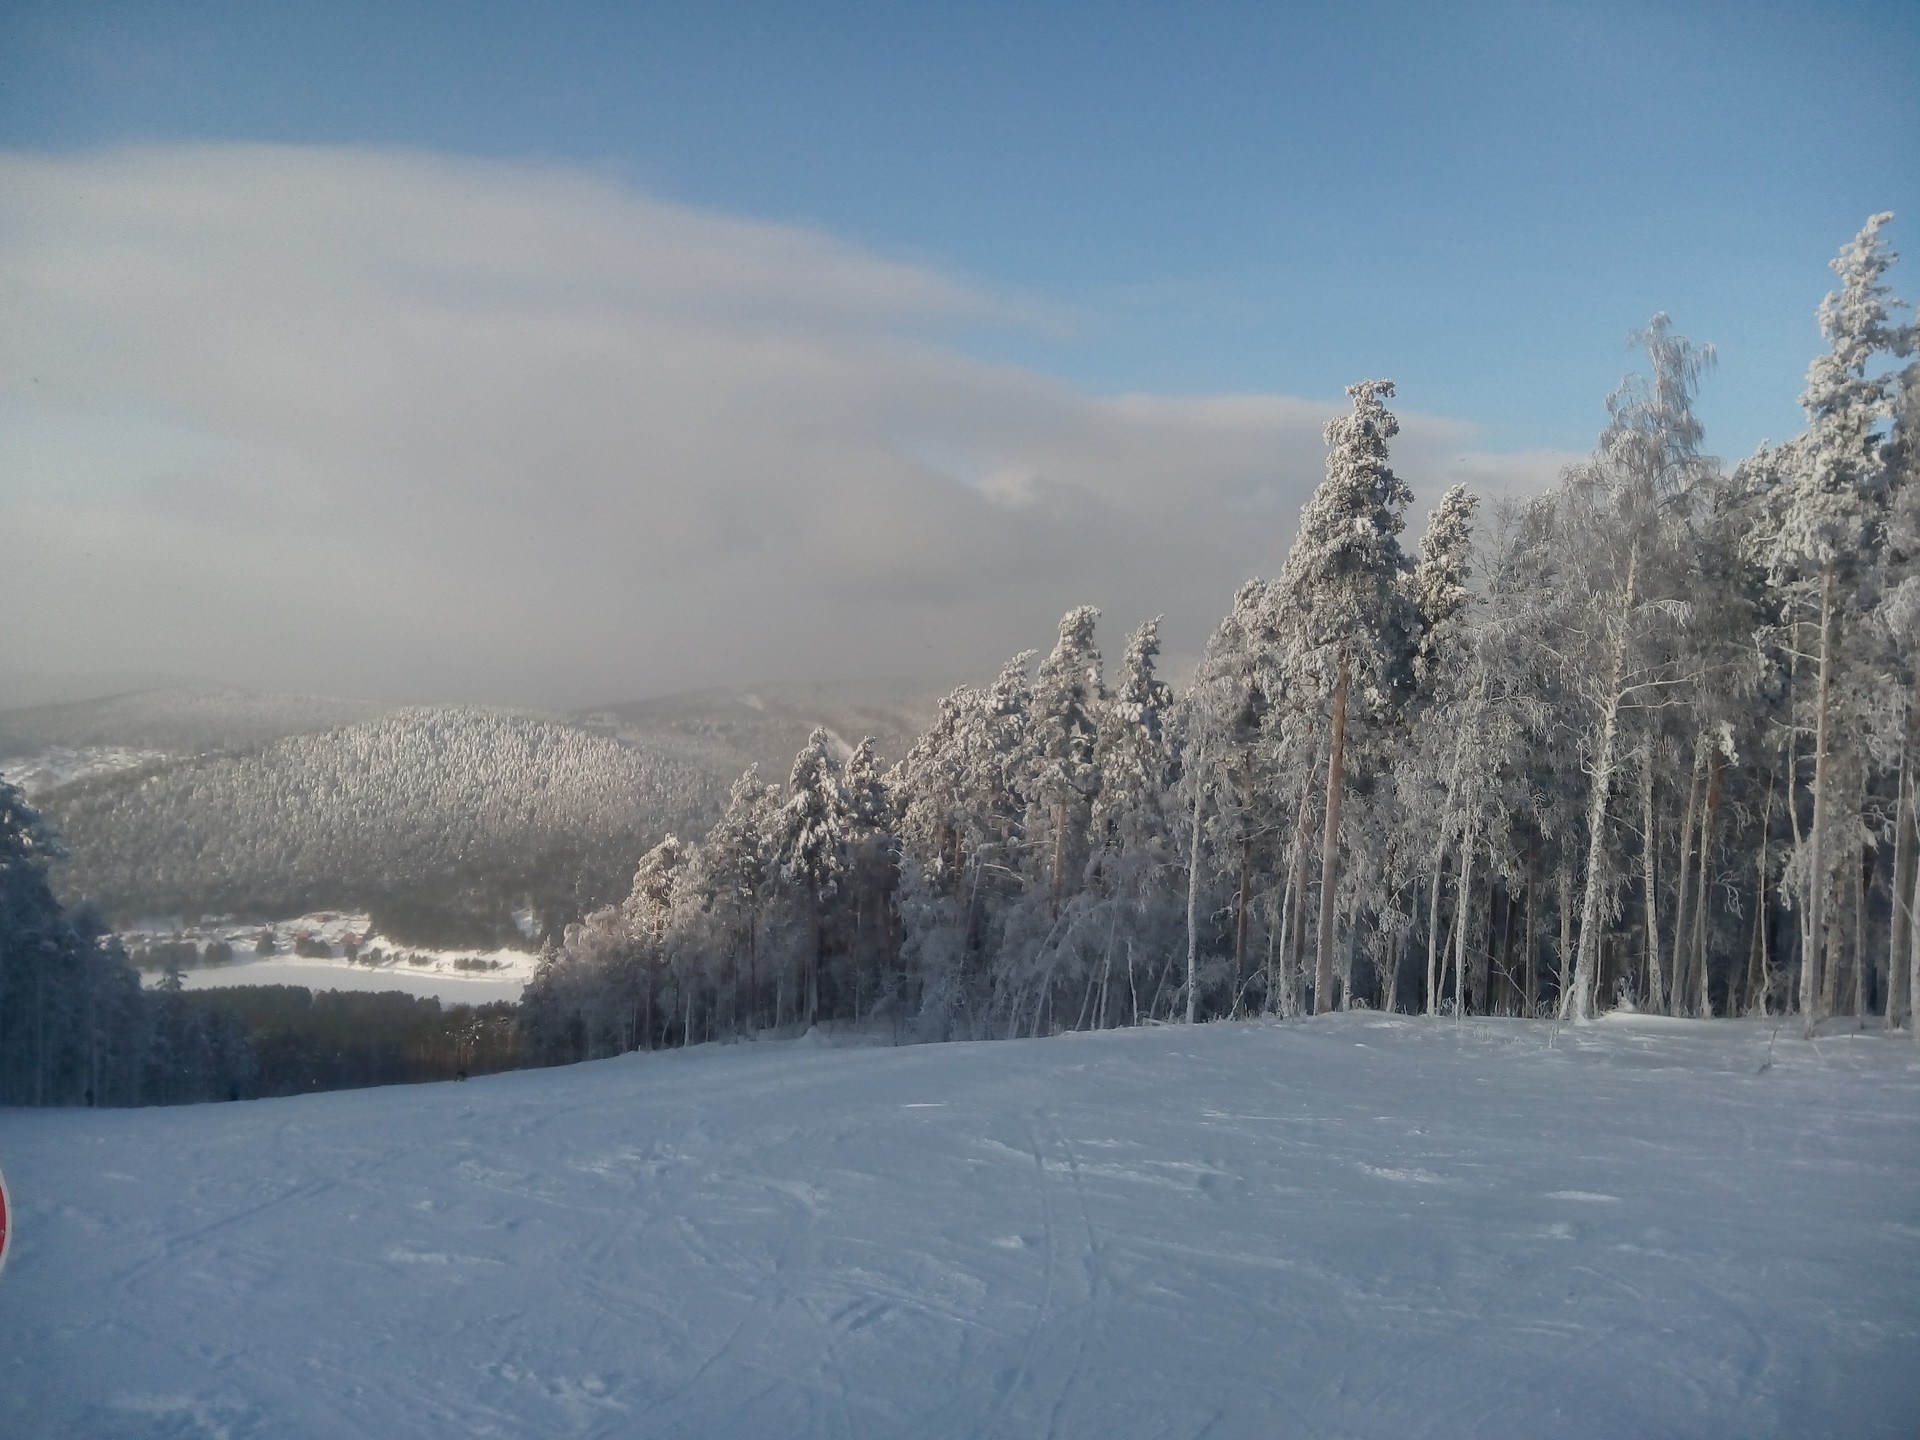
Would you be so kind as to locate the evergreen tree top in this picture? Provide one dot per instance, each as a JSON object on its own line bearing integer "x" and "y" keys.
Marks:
{"x": 1342, "y": 589}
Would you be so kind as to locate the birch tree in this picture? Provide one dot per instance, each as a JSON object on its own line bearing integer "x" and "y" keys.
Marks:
{"x": 1618, "y": 525}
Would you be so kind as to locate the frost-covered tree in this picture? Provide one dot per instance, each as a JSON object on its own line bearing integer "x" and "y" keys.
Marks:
{"x": 1228, "y": 749}
{"x": 1663, "y": 714}
{"x": 1621, "y": 576}
{"x": 1132, "y": 858}
{"x": 1439, "y": 585}
{"x": 728, "y": 876}
{"x": 1346, "y": 598}
{"x": 872, "y": 865}
{"x": 1429, "y": 762}
{"x": 1898, "y": 613}
{"x": 75, "y": 1026}
{"x": 810, "y": 849}
{"x": 1063, "y": 724}
{"x": 1822, "y": 525}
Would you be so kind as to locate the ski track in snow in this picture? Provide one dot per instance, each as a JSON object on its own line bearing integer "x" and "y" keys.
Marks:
{"x": 1355, "y": 1227}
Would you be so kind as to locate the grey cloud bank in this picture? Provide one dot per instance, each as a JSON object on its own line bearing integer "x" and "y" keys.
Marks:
{"x": 395, "y": 425}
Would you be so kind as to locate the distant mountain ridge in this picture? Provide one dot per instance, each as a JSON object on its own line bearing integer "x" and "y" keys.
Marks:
{"x": 441, "y": 820}
{"x": 724, "y": 731}
{"x": 179, "y": 720}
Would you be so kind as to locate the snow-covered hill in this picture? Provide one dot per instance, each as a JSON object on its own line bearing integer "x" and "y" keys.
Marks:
{"x": 441, "y": 820}
{"x": 55, "y": 765}
{"x": 1357, "y": 1227}
{"x": 724, "y": 731}
{"x": 179, "y": 720}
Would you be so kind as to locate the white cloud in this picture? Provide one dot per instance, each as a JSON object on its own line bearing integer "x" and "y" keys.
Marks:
{"x": 398, "y": 424}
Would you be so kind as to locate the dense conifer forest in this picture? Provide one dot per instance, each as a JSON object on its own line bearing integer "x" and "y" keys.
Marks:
{"x": 440, "y": 821}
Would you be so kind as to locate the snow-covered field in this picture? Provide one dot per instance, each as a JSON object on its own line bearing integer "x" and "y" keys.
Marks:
{"x": 438, "y": 980}
{"x": 333, "y": 950}
{"x": 1354, "y": 1227}
{"x": 59, "y": 765}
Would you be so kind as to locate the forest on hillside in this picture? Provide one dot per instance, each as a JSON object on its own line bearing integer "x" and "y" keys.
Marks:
{"x": 1644, "y": 740}
{"x": 440, "y": 821}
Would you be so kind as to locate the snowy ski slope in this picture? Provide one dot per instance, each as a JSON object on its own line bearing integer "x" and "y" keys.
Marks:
{"x": 1357, "y": 1227}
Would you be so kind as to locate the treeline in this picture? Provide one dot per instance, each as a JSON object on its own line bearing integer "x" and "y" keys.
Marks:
{"x": 440, "y": 822}
{"x": 1645, "y": 740}
{"x": 303, "y": 1041}
{"x": 77, "y": 1028}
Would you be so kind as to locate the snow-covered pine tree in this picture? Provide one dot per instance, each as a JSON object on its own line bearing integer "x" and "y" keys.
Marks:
{"x": 1130, "y": 845}
{"x": 1344, "y": 581}
{"x": 1427, "y": 763}
{"x": 1823, "y": 514}
{"x": 75, "y": 1026}
{"x": 1899, "y": 614}
{"x": 722, "y": 891}
{"x": 1062, "y": 725}
{"x": 810, "y": 848}
{"x": 1439, "y": 585}
{"x": 872, "y": 847}
{"x": 1228, "y": 750}
{"x": 1132, "y": 750}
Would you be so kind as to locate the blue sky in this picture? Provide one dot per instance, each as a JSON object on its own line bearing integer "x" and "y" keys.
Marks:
{"x": 1070, "y": 287}
{"x": 1478, "y": 200}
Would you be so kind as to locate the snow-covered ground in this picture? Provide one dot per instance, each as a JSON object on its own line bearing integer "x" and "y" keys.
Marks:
{"x": 59, "y": 765}
{"x": 1354, "y": 1227}
{"x": 331, "y": 950}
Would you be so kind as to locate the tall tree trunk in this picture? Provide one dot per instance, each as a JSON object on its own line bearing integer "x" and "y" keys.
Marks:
{"x": 1835, "y": 957}
{"x": 1913, "y": 954}
{"x": 1697, "y": 968}
{"x": 1899, "y": 995}
{"x": 1649, "y": 845}
{"x": 1297, "y": 938}
{"x": 1433, "y": 929}
{"x": 819, "y": 951}
{"x": 1810, "y": 980}
{"x": 1393, "y": 954}
{"x": 1860, "y": 868}
{"x": 1280, "y": 991}
{"x": 1276, "y": 910}
{"x": 1740, "y": 989}
{"x": 1461, "y": 921}
{"x": 1330, "y": 846}
{"x": 1675, "y": 999}
{"x": 1565, "y": 978}
{"x": 1577, "y": 1002}
{"x": 1509, "y": 986}
{"x": 1346, "y": 960}
{"x": 1057, "y": 880}
{"x": 1486, "y": 969}
{"x": 1106, "y": 965}
{"x": 1240, "y": 915}
{"x": 1532, "y": 996}
{"x": 1294, "y": 897}
{"x": 1193, "y": 910}
{"x": 1760, "y": 982}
